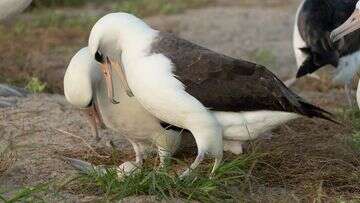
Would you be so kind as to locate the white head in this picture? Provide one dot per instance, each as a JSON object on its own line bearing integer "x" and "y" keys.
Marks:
{"x": 358, "y": 5}
{"x": 80, "y": 78}
{"x": 118, "y": 32}
{"x": 115, "y": 34}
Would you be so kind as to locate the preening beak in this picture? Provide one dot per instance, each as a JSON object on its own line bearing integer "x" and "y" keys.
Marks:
{"x": 121, "y": 72}
{"x": 107, "y": 72}
{"x": 351, "y": 25}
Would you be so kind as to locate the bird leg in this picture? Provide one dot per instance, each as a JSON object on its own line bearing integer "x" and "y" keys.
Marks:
{"x": 167, "y": 142}
{"x": 198, "y": 160}
{"x": 127, "y": 168}
{"x": 348, "y": 93}
{"x": 94, "y": 120}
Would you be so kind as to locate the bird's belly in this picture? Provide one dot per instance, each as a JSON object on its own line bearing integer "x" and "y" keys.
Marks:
{"x": 348, "y": 67}
{"x": 358, "y": 94}
{"x": 128, "y": 117}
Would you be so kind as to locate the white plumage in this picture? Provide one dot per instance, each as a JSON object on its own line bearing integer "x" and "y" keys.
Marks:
{"x": 151, "y": 80}
{"x": 83, "y": 82}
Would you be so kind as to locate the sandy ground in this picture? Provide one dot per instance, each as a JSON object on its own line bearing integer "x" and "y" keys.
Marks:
{"x": 44, "y": 127}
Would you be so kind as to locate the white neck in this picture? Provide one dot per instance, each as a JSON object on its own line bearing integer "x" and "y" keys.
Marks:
{"x": 121, "y": 33}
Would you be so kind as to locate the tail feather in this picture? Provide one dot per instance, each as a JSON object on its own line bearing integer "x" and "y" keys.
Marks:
{"x": 305, "y": 108}
{"x": 314, "y": 111}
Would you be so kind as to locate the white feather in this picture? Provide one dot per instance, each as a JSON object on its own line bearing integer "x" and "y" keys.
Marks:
{"x": 348, "y": 67}
{"x": 8, "y": 8}
{"x": 298, "y": 42}
{"x": 79, "y": 79}
{"x": 245, "y": 126}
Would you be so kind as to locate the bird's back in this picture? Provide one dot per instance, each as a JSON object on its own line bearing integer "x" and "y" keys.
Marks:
{"x": 223, "y": 83}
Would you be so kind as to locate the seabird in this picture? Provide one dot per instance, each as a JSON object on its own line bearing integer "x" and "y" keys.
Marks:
{"x": 349, "y": 29}
{"x": 85, "y": 87}
{"x": 9, "y": 8}
{"x": 179, "y": 82}
{"x": 313, "y": 48}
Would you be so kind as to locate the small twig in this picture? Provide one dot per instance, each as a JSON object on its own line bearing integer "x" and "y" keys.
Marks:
{"x": 83, "y": 140}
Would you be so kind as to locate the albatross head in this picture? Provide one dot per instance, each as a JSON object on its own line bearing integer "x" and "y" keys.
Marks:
{"x": 349, "y": 26}
{"x": 80, "y": 80}
{"x": 113, "y": 35}
{"x": 80, "y": 77}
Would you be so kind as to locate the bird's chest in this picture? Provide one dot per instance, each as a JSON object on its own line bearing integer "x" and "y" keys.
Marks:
{"x": 157, "y": 89}
{"x": 351, "y": 61}
{"x": 128, "y": 117}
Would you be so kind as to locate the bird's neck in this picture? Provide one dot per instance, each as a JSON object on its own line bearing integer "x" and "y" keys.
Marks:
{"x": 137, "y": 43}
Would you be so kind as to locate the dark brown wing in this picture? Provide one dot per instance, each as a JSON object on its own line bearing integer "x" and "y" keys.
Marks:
{"x": 223, "y": 83}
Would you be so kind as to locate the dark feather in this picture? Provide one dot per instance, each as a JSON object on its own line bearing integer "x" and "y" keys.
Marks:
{"x": 223, "y": 83}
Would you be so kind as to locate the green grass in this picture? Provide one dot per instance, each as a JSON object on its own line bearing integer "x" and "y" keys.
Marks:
{"x": 66, "y": 3}
{"x": 353, "y": 115}
{"x": 264, "y": 57}
{"x": 26, "y": 194}
{"x": 144, "y": 8}
{"x": 35, "y": 85}
{"x": 167, "y": 185}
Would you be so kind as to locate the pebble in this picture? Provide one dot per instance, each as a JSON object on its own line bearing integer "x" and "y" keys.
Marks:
{"x": 11, "y": 91}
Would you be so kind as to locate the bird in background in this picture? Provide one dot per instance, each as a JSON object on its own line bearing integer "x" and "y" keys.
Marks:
{"x": 349, "y": 28}
{"x": 314, "y": 21}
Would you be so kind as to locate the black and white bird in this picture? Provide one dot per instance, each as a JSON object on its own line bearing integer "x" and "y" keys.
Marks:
{"x": 313, "y": 48}
{"x": 180, "y": 82}
{"x": 9, "y": 8}
{"x": 85, "y": 88}
{"x": 350, "y": 28}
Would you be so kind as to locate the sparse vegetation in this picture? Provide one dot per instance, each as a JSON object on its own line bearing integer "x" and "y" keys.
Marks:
{"x": 166, "y": 185}
{"x": 35, "y": 85}
{"x": 264, "y": 57}
{"x": 53, "y": 3}
{"x": 353, "y": 115}
{"x": 146, "y": 8}
{"x": 26, "y": 194}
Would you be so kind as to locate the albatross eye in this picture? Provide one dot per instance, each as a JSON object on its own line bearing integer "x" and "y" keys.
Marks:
{"x": 99, "y": 57}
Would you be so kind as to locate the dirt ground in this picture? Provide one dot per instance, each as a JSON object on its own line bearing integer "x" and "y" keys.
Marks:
{"x": 44, "y": 127}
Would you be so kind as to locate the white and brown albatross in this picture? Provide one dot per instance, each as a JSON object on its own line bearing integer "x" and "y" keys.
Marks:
{"x": 85, "y": 88}
{"x": 314, "y": 21}
{"x": 350, "y": 27}
{"x": 179, "y": 82}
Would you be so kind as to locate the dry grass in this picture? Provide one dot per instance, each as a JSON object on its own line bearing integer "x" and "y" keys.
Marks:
{"x": 7, "y": 159}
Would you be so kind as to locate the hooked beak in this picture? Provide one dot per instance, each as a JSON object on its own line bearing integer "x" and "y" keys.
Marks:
{"x": 121, "y": 72}
{"x": 107, "y": 72}
{"x": 349, "y": 26}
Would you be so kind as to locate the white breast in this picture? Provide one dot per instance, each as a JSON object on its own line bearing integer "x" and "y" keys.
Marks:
{"x": 347, "y": 68}
{"x": 159, "y": 91}
{"x": 128, "y": 117}
{"x": 358, "y": 94}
